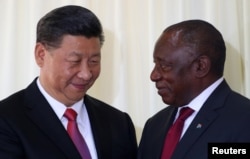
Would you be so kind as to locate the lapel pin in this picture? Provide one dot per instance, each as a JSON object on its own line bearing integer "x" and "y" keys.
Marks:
{"x": 198, "y": 126}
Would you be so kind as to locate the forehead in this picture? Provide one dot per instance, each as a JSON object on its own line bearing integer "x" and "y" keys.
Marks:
{"x": 170, "y": 44}
{"x": 78, "y": 46}
{"x": 79, "y": 39}
{"x": 80, "y": 43}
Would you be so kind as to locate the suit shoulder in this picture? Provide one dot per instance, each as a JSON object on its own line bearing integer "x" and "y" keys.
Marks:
{"x": 105, "y": 113}
{"x": 12, "y": 102}
{"x": 98, "y": 104}
{"x": 239, "y": 100}
{"x": 162, "y": 115}
{"x": 164, "y": 112}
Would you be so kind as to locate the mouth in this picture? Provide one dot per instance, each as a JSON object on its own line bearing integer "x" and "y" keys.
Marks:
{"x": 162, "y": 91}
{"x": 81, "y": 86}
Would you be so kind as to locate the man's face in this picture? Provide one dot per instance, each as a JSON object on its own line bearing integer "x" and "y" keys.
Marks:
{"x": 69, "y": 71}
{"x": 173, "y": 71}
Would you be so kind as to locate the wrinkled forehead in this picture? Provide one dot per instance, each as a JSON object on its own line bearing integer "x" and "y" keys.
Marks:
{"x": 171, "y": 41}
{"x": 173, "y": 38}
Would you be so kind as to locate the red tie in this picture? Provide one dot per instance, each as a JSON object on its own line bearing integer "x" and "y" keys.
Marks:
{"x": 174, "y": 133}
{"x": 75, "y": 135}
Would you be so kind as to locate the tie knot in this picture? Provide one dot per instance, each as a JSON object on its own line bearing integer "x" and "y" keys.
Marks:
{"x": 70, "y": 114}
{"x": 185, "y": 113}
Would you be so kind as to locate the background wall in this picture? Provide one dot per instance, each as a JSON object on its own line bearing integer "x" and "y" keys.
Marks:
{"x": 131, "y": 29}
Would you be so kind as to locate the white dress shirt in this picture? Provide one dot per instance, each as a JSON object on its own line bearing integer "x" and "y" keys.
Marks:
{"x": 82, "y": 118}
{"x": 197, "y": 103}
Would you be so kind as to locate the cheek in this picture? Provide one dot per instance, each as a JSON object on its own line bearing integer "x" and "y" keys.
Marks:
{"x": 61, "y": 75}
{"x": 96, "y": 70}
{"x": 95, "y": 76}
{"x": 170, "y": 78}
{"x": 174, "y": 84}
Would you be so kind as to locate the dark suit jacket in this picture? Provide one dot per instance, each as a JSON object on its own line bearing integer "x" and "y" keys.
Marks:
{"x": 29, "y": 129}
{"x": 224, "y": 117}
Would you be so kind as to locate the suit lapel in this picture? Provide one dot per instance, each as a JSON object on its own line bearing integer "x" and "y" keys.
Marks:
{"x": 161, "y": 126}
{"x": 205, "y": 117}
{"x": 100, "y": 128}
{"x": 195, "y": 130}
{"x": 44, "y": 117}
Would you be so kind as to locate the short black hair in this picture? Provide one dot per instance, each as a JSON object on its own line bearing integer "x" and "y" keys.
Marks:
{"x": 205, "y": 39}
{"x": 68, "y": 20}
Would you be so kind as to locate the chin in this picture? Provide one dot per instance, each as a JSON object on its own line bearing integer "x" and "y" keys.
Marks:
{"x": 168, "y": 101}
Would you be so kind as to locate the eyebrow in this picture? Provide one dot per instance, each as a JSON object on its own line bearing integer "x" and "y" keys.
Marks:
{"x": 74, "y": 53}
{"x": 78, "y": 54}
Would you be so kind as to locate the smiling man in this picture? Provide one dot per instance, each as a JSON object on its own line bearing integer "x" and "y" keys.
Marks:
{"x": 54, "y": 118}
{"x": 189, "y": 61}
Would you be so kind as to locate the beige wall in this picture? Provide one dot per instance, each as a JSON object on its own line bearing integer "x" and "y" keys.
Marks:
{"x": 131, "y": 29}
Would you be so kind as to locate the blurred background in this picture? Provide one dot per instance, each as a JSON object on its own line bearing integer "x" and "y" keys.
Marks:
{"x": 131, "y": 28}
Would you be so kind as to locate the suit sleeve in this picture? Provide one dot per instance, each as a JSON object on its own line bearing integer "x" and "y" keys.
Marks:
{"x": 130, "y": 142}
{"x": 142, "y": 144}
{"x": 10, "y": 147}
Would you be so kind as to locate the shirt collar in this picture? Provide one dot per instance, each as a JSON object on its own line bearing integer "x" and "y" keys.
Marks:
{"x": 58, "y": 107}
{"x": 198, "y": 101}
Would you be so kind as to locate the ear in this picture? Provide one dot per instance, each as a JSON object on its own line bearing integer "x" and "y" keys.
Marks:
{"x": 40, "y": 52}
{"x": 202, "y": 66}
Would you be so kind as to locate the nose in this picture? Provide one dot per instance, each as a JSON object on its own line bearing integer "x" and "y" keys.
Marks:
{"x": 85, "y": 72}
{"x": 155, "y": 75}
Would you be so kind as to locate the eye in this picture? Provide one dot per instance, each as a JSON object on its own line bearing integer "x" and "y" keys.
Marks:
{"x": 165, "y": 67}
{"x": 74, "y": 60}
{"x": 95, "y": 60}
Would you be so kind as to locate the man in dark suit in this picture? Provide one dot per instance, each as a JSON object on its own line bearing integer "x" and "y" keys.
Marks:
{"x": 33, "y": 124}
{"x": 189, "y": 61}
